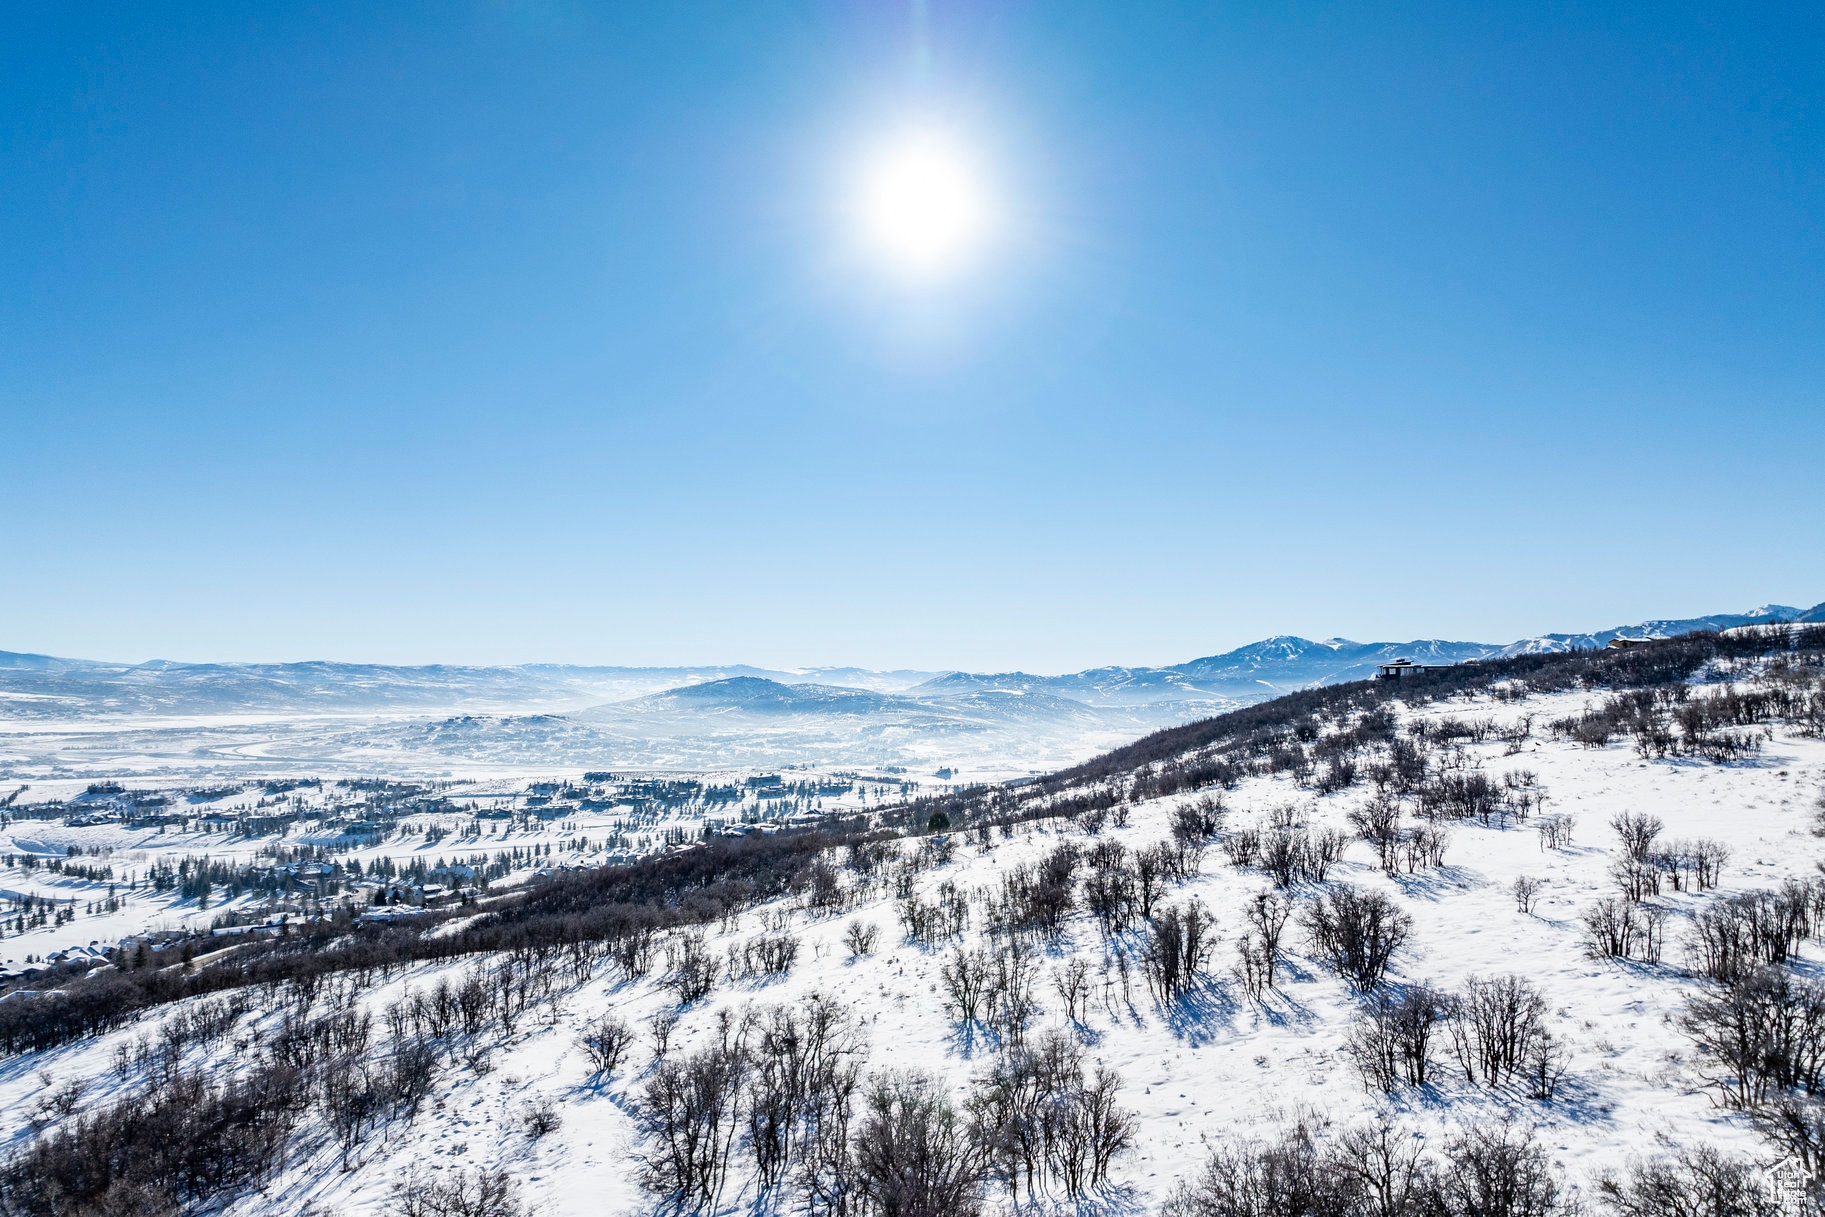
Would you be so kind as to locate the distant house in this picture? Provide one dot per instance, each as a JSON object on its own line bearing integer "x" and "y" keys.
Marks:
{"x": 216, "y": 823}
{"x": 1403, "y": 668}
{"x": 1626, "y": 644}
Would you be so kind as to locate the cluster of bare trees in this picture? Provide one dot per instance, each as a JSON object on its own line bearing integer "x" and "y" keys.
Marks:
{"x": 1496, "y": 1026}
{"x": 1357, "y": 932}
{"x": 1379, "y": 1169}
{"x": 1673, "y": 720}
{"x": 1734, "y": 936}
{"x": 1121, "y": 887}
{"x": 1697, "y": 1179}
{"x": 461, "y": 1193}
{"x": 1556, "y": 831}
{"x": 784, "y": 1087}
{"x": 1287, "y": 848}
{"x": 1625, "y": 926}
{"x": 1378, "y": 822}
{"x": 1760, "y": 1027}
{"x": 188, "y": 1137}
{"x": 1392, "y": 1039}
{"x": 763, "y": 955}
{"x": 1178, "y": 948}
{"x": 929, "y": 921}
{"x": 1763, "y": 1033}
{"x": 992, "y": 987}
{"x": 1258, "y": 949}
{"x": 1646, "y": 864}
{"x": 778, "y": 1081}
{"x": 1044, "y": 1121}
{"x": 1034, "y": 898}
{"x": 1616, "y": 927}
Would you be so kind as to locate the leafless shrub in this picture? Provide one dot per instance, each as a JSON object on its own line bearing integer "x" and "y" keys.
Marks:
{"x": 967, "y": 976}
{"x": 1110, "y": 887}
{"x": 1763, "y": 1035}
{"x": 1198, "y": 820}
{"x": 913, "y": 1155}
{"x": 1545, "y": 1064}
{"x": 1267, "y": 914}
{"x": 1556, "y": 831}
{"x": 1694, "y": 1182}
{"x": 1495, "y": 1024}
{"x": 460, "y": 1194}
{"x": 690, "y": 1112}
{"x": 1425, "y": 846}
{"x": 1638, "y": 878}
{"x": 1243, "y": 847}
{"x": 1733, "y": 936}
{"x": 661, "y": 1026}
{"x": 1072, "y": 984}
{"x": 540, "y": 1116}
{"x": 1376, "y": 1171}
{"x": 1177, "y": 948}
{"x": 606, "y": 1041}
{"x": 1378, "y": 823}
{"x": 769, "y": 954}
{"x": 1358, "y": 933}
{"x": 1526, "y": 890}
{"x": 1039, "y": 1118}
{"x": 1636, "y": 831}
{"x": 1010, "y": 1004}
{"x": 690, "y": 968}
{"x": 803, "y": 1068}
{"x": 1391, "y": 1039}
{"x": 1614, "y": 928}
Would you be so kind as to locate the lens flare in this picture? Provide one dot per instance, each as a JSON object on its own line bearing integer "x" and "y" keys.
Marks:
{"x": 923, "y": 208}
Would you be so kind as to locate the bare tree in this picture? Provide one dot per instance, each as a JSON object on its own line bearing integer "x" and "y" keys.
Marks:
{"x": 1495, "y": 1024}
{"x": 1691, "y": 1182}
{"x": 1358, "y": 933}
{"x": 460, "y": 1194}
{"x": 1636, "y": 831}
{"x": 860, "y": 937}
{"x": 1177, "y": 948}
{"x": 690, "y": 1112}
{"x": 1072, "y": 984}
{"x": 606, "y": 1040}
{"x": 913, "y": 1156}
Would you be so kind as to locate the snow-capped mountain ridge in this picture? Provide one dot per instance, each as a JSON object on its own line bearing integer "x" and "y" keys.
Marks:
{"x": 43, "y": 686}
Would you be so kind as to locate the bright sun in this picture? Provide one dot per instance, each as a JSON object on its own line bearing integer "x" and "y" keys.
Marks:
{"x": 922, "y": 207}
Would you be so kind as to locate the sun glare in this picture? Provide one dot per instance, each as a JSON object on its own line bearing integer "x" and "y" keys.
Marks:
{"x": 922, "y": 207}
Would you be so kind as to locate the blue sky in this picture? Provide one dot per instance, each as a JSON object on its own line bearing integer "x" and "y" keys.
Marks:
{"x": 534, "y": 331}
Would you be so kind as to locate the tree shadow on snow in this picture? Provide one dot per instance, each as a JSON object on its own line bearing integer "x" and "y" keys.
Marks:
{"x": 1195, "y": 1016}
{"x": 1116, "y": 1200}
{"x": 1278, "y": 1008}
{"x": 1439, "y": 882}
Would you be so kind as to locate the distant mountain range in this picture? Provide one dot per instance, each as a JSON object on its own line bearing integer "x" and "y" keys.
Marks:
{"x": 46, "y": 687}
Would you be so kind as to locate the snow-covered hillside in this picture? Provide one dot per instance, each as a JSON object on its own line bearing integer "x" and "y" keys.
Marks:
{"x": 1504, "y": 785}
